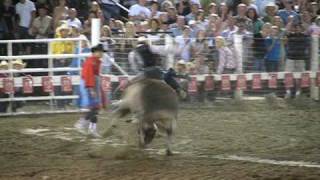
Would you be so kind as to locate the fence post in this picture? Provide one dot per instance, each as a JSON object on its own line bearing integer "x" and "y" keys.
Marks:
{"x": 11, "y": 95}
{"x": 170, "y": 52}
{"x": 238, "y": 46}
{"x": 95, "y": 31}
{"x": 314, "y": 66}
{"x": 50, "y": 74}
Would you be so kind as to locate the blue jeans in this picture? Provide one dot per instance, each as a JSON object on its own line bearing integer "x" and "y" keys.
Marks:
{"x": 259, "y": 65}
{"x": 272, "y": 66}
{"x": 110, "y": 11}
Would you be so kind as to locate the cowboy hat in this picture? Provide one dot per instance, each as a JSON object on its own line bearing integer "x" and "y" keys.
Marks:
{"x": 4, "y": 63}
{"x": 18, "y": 62}
{"x": 98, "y": 47}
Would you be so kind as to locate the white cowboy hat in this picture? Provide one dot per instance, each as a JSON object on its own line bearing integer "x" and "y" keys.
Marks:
{"x": 4, "y": 63}
{"x": 19, "y": 62}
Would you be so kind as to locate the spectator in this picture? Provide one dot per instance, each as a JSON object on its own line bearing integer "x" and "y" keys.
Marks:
{"x": 172, "y": 16}
{"x": 200, "y": 65}
{"x": 7, "y": 17}
{"x": 139, "y": 12}
{"x": 184, "y": 7}
{"x": 298, "y": 52}
{"x": 108, "y": 44}
{"x": 224, "y": 12}
{"x": 155, "y": 13}
{"x": 242, "y": 16}
{"x": 230, "y": 30}
{"x": 60, "y": 13}
{"x": 288, "y": 11}
{"x": 166, "y": 5}
{"x": 3, "y": 105}
{"x": 227, "y": 60}
{"x": 95, "y": 8}
{"x": 262, "y": 4}
{"x": 306, "y": 19}
{"x": 184, "y": 44}
{"x": 257, "y": 23}
{"x": 177, "y": 28}
{"x": 314, "y": 29}
{"x": 72, "y": 19}
{"x": 258, "y": 47}
{"x": 274, "y": 50}
{"x": 213, "y": 9}
{"x": 200, "y": 45}
{"x": 109, "y": 9}
{"x": 62, "y": 47}
{"x": 18, "y": 65}
{"x": 194, "y": 12}
{"x": 26, "y": 12}
{"x": 42, "y": 25}
{"x": 271, "y": 12}
{"x": 87, "y": 24}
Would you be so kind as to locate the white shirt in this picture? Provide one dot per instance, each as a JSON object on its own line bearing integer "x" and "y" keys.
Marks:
{"x": 74, "y": 23}
{"x": 137, "y": 10}
{"x": 25, "y": 13}
{"x": 184, "y": 46}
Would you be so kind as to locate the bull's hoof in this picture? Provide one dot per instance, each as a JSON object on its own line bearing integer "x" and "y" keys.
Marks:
{"x": 169, "y": 153}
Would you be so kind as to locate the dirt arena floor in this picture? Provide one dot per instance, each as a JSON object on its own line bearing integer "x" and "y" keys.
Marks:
{"x": 269, "y": 140}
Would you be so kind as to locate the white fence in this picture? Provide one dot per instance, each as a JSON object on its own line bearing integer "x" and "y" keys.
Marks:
{"x": 241, "y": 85}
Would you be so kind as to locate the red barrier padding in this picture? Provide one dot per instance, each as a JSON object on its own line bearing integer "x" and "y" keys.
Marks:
{"x": 209, "y": 83}
{"x": 256, "y": 81}
{"x": 8, "y": 85}
{"x": 66, "y": 84}
{"x": 47, "y": 85}
{"x": 123, "y": 82}
{"x": 273, "y": 81}
{"x": 193, "y": 85}
{"x": 27, "y": 83}
{"x": 305, "y": 80}
{"x": 106, "y": 83}
{"x": 225, "y": 83}
{"x": 241, "y": 82}
{"x": 288, "y": 80}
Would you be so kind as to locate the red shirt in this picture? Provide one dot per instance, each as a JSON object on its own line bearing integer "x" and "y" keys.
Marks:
{"x": 90, "y": 69}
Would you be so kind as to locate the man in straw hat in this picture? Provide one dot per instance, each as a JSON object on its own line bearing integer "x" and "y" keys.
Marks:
{"x": 3, "y": 105}
{"x": 90, "y": 76}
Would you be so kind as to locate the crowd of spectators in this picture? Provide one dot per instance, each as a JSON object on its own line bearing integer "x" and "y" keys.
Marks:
{"x": 271, "y": 29}
{"x": 275, "y": 33}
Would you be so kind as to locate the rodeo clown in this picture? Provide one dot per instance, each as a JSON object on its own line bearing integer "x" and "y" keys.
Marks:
{"x": 91, "y": 77}
{"x": 146, "y": 61}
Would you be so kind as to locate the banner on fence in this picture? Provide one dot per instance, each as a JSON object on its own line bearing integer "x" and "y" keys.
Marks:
{"x": 305, "y": 80}
{"x": 47, "y": 85}
{"x": 273, "y": 81}
{"x": 225, "y": 83}
{"x": 106, "y": 83}
{"x": 288, "y": 80}
{"x": 241, "y": 82}
{"x": 193, "y": 85}
{"x": 8, "y": 85}
{"x": 209, "y": 83}
{"x": 256, "y": 81}
{"x": 123, "y": 82}
{"x": 66, "y": 84}
{"x": 27, "y": 84}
